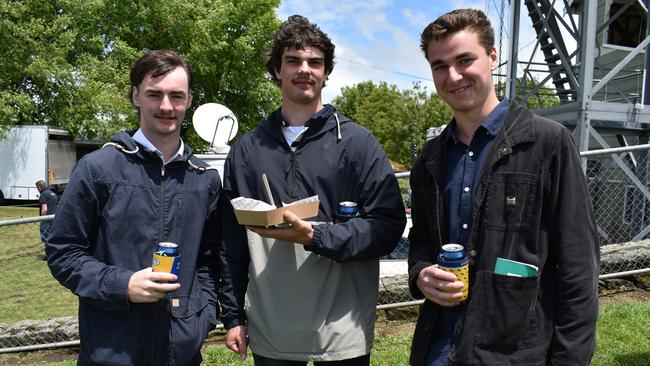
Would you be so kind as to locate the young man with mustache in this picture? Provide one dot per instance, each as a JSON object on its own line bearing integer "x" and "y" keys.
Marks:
{"x": 507, "y": 184}
{"x": 311, "y": 288}
{"x": 140, "y": 189}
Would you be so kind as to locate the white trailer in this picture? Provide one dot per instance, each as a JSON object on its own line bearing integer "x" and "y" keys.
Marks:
{"x": 31, "y": 153}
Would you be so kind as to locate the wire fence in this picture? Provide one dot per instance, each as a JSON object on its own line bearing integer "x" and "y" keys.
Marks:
{"x": 36, "y": 312}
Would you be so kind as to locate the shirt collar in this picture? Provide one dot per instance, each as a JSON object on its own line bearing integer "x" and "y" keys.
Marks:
{"x": 140, "y": 138}
{"x": 491, "y": 124}
{"x": 325, "y": 112}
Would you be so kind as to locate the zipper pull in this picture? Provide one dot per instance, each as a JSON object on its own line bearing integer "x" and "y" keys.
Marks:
{"x": 162, "y": 170}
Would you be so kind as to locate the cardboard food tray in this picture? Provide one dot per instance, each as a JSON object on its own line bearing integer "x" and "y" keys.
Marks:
{"x": 274, "y": 217}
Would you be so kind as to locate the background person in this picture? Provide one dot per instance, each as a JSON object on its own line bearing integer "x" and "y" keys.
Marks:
{"x": 140, "y": 189}
{"x": 47, "y": 202}
{"x": 311, "y": 289}
{"x": 503, "y": 182}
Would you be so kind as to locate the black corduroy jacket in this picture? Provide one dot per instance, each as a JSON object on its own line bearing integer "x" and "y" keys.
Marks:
{"x": 532, "y": 205}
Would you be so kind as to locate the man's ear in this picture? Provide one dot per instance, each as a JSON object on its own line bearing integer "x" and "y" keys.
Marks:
{"x": 494, "y": 59}
{"x": 136, "y": 97}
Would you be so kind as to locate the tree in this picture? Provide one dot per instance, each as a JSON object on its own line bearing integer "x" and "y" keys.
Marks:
{"x": 66, "y": 63}
{"x": 398, "y": 118}
{"x": 352, "y": 97}
{"x": 541, "y": 98}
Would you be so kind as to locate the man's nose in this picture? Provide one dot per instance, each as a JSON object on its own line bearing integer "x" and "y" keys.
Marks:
{"x": 304, "y": 67}
{"x": 454, "y": 74}
{"x": 166, "y": 103}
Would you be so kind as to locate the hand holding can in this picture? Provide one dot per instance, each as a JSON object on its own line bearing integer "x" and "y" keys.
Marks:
{"x": 452, "y": 259}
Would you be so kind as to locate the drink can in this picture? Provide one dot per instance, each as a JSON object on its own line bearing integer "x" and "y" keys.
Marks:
{"x": 346, "y": 210}
{"x": 166, "y": 258}
{"x": 452, "y": 259}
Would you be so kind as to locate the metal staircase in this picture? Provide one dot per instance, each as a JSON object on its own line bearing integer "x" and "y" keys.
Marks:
{"x": 545, "y": 22}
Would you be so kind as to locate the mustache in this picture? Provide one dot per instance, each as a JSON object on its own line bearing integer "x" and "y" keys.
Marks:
{"x": 299, "y": 78}
{"x": 163, "y": 115}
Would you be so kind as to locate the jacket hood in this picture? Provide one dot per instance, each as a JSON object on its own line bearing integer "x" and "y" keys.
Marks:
{"x": 124, "y": 142}
{"x": 324, "y": 121}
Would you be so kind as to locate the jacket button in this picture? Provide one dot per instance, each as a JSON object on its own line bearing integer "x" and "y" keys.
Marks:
{"x": 472, "y": 253}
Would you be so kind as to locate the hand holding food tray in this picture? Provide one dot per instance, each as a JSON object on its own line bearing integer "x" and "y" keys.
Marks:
{"x": 258, "y": 213}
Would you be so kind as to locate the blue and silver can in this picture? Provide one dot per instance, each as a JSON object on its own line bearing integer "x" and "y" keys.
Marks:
{"x": 345, "y": 211}
{"x": 452, "y": 259}
{"x": 166, "y": 258}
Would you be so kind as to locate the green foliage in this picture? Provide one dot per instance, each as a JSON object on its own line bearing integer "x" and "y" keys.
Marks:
{"x": 398, "y": 118}
{"x": 66, "y": 63}
{"x": 537, "y": 96}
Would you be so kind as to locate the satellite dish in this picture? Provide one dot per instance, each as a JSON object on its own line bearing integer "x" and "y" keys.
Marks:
{"x": 216, "y": 124}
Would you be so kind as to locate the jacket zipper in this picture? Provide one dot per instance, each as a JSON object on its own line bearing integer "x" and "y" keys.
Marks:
{"x": 292, "y": 162}
{"x": 162, "y": 201}
{"x": 162, "y": 231}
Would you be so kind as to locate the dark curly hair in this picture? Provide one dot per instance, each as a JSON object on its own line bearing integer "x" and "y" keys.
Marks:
{"x": 456, "y": 21}
{"x": 299, "y": 33}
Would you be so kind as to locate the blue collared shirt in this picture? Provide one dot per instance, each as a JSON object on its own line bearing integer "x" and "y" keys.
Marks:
{"x": 462, "y": 174}
{"x": 140, "y": 138}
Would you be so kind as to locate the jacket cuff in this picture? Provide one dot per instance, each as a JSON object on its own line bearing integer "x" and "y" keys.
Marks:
{"x": 122, "y": 289}
{"x": 317, "y": 237}
{"x": 231, "y": 323}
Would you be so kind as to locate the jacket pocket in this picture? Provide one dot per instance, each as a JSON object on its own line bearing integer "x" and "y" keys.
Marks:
{"x": 510, "y": 201}
{"x": 507, "y": 318}
{"x": 183, "y": 305}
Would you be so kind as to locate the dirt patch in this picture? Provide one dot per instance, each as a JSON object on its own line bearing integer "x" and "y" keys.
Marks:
{"x": 389, "y": 322}
{"x": 37, "y": 357}
{"x": 635, "y": 288}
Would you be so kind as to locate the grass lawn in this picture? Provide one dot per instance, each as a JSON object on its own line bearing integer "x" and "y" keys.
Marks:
{"x": 623, "y": 336}
{"x": 29, "y": 291}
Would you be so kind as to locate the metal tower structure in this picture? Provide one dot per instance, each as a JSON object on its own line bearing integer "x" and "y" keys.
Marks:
{"x": 593, "y": 54}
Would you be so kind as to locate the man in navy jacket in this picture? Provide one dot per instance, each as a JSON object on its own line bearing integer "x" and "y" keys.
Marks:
{"x": 505, "y": 183}
{"x": 122, "y": 200}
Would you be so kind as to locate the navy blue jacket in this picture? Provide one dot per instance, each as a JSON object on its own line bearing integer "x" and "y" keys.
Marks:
{"x": 351, "y": 166}
{"x": 532, "y": 205}
{"x": 120, "y": 202}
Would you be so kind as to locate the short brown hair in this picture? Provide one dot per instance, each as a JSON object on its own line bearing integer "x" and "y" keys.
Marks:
{"x": 156, "y": 63}
{"x": 454, "y": 22}
{"x": 299, "y": 33}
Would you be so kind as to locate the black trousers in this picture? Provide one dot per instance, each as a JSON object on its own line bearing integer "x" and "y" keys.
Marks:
{"x": 358, "y": 361}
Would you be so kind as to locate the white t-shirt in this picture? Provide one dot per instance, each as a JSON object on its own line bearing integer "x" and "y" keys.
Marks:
{"x": 293, "y": 133}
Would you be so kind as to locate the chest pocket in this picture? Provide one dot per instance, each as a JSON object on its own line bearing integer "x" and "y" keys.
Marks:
{"x": 510, "y": 201}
